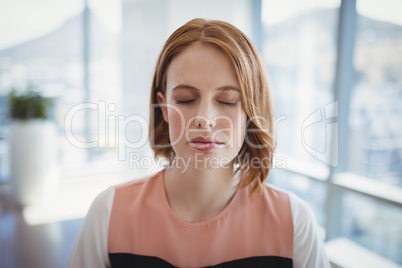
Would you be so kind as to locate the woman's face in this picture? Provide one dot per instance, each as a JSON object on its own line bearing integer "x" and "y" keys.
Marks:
{"x": 203, "y": 108}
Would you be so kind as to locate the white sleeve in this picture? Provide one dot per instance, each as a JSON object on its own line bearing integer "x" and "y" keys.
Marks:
{"x": 91, "y": 246}
{"x": 309, "y": 248}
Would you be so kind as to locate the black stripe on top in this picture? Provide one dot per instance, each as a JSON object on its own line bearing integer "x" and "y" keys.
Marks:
{"x": 122, "y": 260}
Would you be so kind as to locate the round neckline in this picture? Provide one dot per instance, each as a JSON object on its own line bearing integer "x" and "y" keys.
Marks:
{"x": 177, "y": 219}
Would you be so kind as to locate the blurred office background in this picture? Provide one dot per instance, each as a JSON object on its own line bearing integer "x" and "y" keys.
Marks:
{"x": 335, "y": 70}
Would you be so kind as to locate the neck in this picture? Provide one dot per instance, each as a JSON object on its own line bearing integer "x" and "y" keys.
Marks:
{"x": 199, "y": 194}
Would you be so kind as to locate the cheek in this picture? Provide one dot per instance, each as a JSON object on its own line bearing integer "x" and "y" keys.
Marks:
{"x": 234, "y": 127}
{"x": 240, "y": 126}
{"x": 176, "y": 124}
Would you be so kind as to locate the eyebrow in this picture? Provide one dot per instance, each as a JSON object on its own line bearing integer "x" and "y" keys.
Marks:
{"x": 223, "y": 88}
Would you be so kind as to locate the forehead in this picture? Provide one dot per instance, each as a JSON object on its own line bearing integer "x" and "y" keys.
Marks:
{"x": 201, "y": 66}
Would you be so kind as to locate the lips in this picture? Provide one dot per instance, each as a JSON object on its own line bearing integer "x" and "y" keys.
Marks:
{"x": 204, "y": 144}
{"x": 205, "y": 140}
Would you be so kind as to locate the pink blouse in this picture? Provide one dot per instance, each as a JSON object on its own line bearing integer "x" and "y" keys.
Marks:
{"x": 132, "y": 224}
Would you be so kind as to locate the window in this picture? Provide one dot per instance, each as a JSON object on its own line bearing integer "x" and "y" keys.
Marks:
{"x": 40, "y": 44}
{"x": 375, "y": 123}
{"x": 375, "y": 108}
{"x": 330, "y": 74}
{"x": 299, "y": 50}
{"x": 72, "y": 53}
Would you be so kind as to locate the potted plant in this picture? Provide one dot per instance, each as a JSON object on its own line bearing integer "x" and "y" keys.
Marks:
{"x": 33, "y": 146}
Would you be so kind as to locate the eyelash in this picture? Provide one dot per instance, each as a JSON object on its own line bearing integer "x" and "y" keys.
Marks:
{"x": 227, "y": 104}
{"x": 185, "y": 102}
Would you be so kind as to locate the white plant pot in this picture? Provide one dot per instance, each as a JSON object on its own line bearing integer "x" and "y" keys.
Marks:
{"x": 33, "y": 160}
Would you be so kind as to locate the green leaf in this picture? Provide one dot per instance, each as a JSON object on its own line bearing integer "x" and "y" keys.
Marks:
{"x": 30, "y": 104}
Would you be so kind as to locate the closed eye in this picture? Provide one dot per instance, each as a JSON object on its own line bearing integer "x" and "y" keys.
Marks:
{"x": 228, "y": 104}
{"x": 185, "y": 101}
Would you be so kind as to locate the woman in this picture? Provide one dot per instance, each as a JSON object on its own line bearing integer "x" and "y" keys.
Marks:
{"x": 212, "y": 118}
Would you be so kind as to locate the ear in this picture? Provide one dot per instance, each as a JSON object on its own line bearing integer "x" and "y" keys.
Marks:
{"x": 162, "y": 102}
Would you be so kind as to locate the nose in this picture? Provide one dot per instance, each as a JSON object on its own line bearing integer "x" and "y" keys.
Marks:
{"x": 205, "y": 117}
{"x": 204, "y": 122}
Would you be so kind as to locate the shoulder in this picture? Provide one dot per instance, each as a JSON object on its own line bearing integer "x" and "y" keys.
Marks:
{"x": 301, "y": 213}
{"x": 132, "y": 195}
{"x": 308, "y": 242}
{"x": 99, "y": 212}
{"x": 90, "y": 247}
{"x": 300, "y": 210}
{"x": 102, "y": 203}
{"x": 275, "y": 191}
{"x": 308, "y": 247}
{"x": 278, "y": 198}
{"x": 139, "y": 184}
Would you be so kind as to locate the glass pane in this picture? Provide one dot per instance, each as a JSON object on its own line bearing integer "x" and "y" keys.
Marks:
{"x": 46, "y": 47}
{"x": 104, "y": 80}
{"x": 376, "y": 110}
{"x": 40, "y": 44}
{"x": 373, "y": 225}
{"x": 299, "y": 50}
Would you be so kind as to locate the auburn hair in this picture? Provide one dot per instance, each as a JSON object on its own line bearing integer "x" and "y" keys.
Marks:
{"x": 256, "y": 98}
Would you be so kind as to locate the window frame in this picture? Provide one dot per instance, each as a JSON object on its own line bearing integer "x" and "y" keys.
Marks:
{"x": 338, "y": 180}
